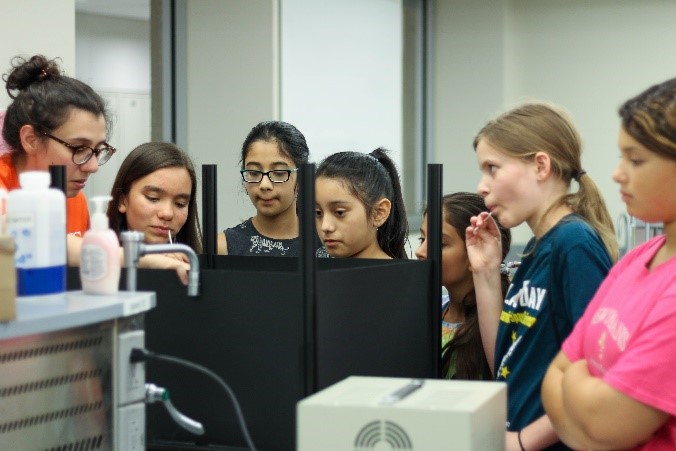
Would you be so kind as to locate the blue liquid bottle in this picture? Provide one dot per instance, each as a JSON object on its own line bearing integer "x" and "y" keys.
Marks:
{"x": 36, "y": 219}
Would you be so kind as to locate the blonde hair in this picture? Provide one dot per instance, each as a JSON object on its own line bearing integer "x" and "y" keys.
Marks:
{"x": 539, "y": 127}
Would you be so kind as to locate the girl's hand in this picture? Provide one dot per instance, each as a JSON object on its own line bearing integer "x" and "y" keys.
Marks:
{"x": 482, "y": 239}
{"x": 167, "y": 261}
{"x": 178, "y": 256}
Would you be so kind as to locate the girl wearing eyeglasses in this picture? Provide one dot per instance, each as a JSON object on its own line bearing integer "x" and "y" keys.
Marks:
{"x": 271, "y": 155}
{"x": 359, "y": 206}
{"x": 58, "y": 120}
{"x": 54, "y": 120}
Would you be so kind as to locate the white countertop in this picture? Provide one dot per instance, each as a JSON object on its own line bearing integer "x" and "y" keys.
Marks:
{"x": 41, "y": 314}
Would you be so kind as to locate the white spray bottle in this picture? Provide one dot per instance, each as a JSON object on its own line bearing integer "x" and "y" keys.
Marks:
{"x": 100, "y": 256}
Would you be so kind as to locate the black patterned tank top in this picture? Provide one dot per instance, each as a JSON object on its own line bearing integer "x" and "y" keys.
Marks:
{"x": 244, "y": 239}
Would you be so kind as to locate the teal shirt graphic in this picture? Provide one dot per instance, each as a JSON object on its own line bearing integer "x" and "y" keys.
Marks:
{"x": 557, "y": 278}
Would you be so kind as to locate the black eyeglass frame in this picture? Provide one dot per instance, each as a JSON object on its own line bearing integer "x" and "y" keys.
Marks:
{"x": 263, "y": 174}
{"x": 107, "y": 148}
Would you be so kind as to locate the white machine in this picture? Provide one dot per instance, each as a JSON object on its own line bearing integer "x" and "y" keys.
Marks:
{"x": 376, "y": 413}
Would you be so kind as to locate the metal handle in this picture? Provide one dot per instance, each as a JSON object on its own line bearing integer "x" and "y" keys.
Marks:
{"x": 155, "y": 393}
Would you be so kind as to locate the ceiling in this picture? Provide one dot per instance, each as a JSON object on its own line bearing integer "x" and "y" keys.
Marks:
{"x": 133, "y": 9}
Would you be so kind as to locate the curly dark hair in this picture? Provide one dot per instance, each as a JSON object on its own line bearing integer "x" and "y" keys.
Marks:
{"x": 43, "y": 97}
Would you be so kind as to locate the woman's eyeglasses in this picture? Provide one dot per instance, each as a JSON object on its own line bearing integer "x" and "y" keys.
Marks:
{"x": 82, "y": 154}
{"x": 275, "y": 176}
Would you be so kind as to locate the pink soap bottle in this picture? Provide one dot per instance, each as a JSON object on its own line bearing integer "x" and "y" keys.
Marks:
{"x": 100, "y": 255}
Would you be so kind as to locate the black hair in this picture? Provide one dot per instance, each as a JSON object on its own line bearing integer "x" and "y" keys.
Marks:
{"x": 44, "y": 98}
{"x": 291, "y": 141}
{"x": 146, "y": 159}
{"x": 470, "y": 359}
{"x": 371, "y": 177}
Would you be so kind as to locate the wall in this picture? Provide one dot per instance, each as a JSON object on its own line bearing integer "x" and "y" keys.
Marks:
{"x": 111, "y": 54}
{"x": 590, "y": 57}
{"x": 239, "y": 63}
{"x": 113, "y": 57}
{"x": 341, "y": 74}
{"x": 333, "y": 69}
{"x": 36, "y": 27}
{"x": 228, "y": 65}
{"x": 586, "y": 56}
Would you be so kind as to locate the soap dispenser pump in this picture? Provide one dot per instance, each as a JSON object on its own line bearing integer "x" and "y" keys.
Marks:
{"x": 100, "y": 255}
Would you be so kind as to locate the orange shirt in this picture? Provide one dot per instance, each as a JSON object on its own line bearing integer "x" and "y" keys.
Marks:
{"x": 77, "y": 211}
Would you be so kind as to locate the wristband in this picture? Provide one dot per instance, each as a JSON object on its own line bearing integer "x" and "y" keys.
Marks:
{"x": 518, "y": 436}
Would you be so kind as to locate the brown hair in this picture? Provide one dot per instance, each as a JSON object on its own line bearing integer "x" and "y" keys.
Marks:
{"x": 650, "y": 118}
{"x": 43, "y": 97}
{"x": 146, "y": 159}
{"x": 470, "y": 358}
{"x": 538, "y": 127}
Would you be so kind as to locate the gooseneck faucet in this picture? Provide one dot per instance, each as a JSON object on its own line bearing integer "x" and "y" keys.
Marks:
{"x": 135, "y": 248}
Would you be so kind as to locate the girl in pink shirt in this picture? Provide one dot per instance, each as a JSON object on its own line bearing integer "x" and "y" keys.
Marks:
{"x": 612, "y": 385}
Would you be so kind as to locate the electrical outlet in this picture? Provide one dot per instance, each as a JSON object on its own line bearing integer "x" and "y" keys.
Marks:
{"x": 131, "y": 377}
{"x": 130, "y": 433}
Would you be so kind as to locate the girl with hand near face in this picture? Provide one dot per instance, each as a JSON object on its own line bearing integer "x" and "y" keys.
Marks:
{"x": 462, "y": 354}
{"x": 155, "y": 192}
{"x": 271, "y": 156}
{"x": 528, "y": 158}
{"x": 611, "y": 386}
{"x": 359, "y": 206}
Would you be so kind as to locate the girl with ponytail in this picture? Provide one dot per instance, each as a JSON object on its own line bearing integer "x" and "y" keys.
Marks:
{"x": 359, "y": 206}
{"x": 528, "y": 158}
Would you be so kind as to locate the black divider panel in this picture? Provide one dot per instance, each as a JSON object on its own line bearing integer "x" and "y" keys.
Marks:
{"x": 58, "y": 177}
{"x": 246, "y": 328}
{"x": 209, "y": 211}
{"x": 434, "y": 226}
{"x": 374, "y": 320}
{"x": 229, "y": 262}
{"x": 308, "y": 272}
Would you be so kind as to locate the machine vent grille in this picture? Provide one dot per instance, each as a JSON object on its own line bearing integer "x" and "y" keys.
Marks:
{"x": 56, "y": 390}
{"x": 28, "y": 387}
{"x": 51, "y": 349}
{"x": 87, "y": 444}
{"x": 47, "y": 417}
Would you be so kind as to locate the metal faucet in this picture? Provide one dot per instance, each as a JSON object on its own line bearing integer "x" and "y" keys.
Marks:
{"x": 134, "y": 249}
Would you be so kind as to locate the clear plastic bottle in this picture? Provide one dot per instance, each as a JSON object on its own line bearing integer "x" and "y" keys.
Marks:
{"x": 100, "y": 257}
{"x": 36, "y": 220}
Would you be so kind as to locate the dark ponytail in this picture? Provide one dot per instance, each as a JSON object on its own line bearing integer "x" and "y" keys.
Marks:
{"x": 393, "y": 233}
{"x": 371, "y": 177}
